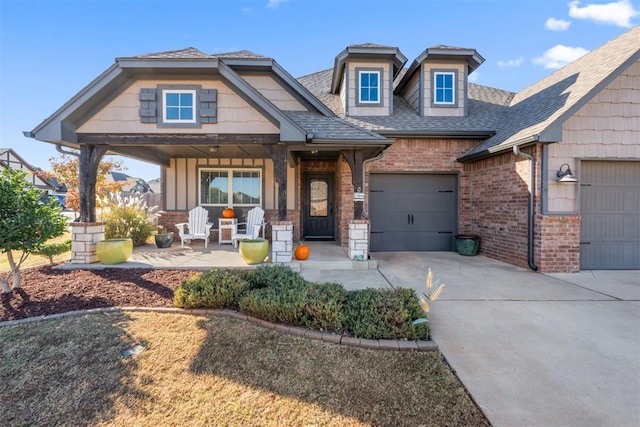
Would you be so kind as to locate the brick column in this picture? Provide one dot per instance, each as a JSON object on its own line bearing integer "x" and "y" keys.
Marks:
{"x": 359, "y": 239}
{"x": 282, "y": 241}
{"x": 84, "y": 237}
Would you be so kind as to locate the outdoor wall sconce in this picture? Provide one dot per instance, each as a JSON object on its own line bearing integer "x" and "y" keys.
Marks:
{"x": 565, "y": 175}
{"x": 213, "y": 149}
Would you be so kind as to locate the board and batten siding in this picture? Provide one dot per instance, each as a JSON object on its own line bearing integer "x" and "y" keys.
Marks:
{"x": 352, "y": 97}
{"x": 274, "y": 92}
{"x": 182, "y": 181}
{"x": 427, "y": 88}
{"x": 607, "y": 127}
{"x": 235, "y": 115}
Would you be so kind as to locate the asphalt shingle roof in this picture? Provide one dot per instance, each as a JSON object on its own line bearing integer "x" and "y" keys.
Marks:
{"x": 239, "y": 54}
{"x": 187, "y": 53}
{"x": 486, "y": 105}
{"x": 324, "y": 127}
{"x": 539, "y": 106}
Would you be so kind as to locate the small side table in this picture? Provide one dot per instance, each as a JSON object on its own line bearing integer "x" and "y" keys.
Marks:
{"x": 225, "y": 229}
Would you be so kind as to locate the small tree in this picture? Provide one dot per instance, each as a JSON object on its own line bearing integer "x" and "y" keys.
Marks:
{"x": 26, "y": 223}
{"x": 65, "y": 170}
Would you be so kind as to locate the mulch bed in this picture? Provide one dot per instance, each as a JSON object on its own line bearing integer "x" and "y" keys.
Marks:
{"x": 48, "y": 291}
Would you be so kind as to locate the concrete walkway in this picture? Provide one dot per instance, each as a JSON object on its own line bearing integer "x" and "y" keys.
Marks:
{"x": 533, "y": 350}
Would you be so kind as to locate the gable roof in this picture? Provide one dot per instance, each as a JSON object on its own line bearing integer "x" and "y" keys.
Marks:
{"x": 10, "y": 159}
{"x": 538, "y": 112}
{"x": 186, "y": 53}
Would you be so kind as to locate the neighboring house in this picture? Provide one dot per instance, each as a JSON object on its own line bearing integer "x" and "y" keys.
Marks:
{"x": 130, "y": 184}
{"x": 9, "y": 158}
{"x": 420, "y": 151}
{"x": 155, "y": 186}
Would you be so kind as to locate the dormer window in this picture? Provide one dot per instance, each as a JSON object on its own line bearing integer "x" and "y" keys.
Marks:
{"x": 369, "y": 86}
{"x": 444, "y": 88}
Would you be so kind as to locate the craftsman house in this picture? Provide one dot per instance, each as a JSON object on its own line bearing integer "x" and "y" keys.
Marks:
{"x": 548, "y": 177}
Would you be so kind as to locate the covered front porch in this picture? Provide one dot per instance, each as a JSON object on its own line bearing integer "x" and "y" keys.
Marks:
{"x": 323, "y": 256}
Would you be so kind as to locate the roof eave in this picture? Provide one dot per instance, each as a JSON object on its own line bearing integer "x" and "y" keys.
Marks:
{"x": 499, "y": 149}
{"x": 471, "y": 134}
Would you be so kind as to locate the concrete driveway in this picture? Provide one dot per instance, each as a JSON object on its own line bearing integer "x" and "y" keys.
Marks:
{"x": 533, "y": 349}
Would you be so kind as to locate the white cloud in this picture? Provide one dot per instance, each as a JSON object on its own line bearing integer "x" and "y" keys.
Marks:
{"x": 559, "y": 56}
{"x": 617, "y": 13}
{"x": 554, "y": 24}
{"x": 474, "y": 77}
{"x": 511, "y": 62}
{"x": 273, "y": 4}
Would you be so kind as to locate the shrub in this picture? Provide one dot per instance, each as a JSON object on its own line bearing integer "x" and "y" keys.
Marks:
{"x": 128, "y": 217}
{"x": 277, "y": 275}
{"x": 298, "y": 303}
{"x": 53, "y": 249}
{"x": 218, "y": 288}
{"x": 384, "y": 314}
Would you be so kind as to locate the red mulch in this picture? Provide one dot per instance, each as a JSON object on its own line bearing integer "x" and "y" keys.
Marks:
{"x": 48, "y": 291}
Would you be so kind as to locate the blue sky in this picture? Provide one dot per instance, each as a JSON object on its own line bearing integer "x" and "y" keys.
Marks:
{"x": 49, "y": 50}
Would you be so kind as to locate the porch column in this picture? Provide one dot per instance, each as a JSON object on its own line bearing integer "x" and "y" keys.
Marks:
{"x": 90, "y": 156}
{"x": 355, "y": 158}
{"x": 278, "y": 154}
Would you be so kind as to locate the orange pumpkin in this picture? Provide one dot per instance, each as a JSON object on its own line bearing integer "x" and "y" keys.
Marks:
{"x": 302, "y": 252}
{"x": 228, "y": 213}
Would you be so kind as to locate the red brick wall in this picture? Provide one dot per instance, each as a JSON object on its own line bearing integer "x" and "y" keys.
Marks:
{"x": 497, "y": 198}
{"x": 558, "y": 243}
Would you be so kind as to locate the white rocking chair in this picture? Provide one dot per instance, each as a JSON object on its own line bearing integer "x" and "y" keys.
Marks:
{"x": 255, "y": 221}
{"x": 198, "y": 226}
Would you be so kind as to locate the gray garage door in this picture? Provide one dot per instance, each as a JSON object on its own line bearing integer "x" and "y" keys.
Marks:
{"x": 610, "y": 209}
{"x": 412, "y": 212}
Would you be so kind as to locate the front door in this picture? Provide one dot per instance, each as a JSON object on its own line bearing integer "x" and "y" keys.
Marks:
{"x": 318, "y": 206}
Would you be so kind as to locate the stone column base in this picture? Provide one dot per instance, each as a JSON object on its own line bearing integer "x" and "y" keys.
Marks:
{"x": 282, "y": 241}
{"x": 359, "y": 239}
{"x": 84, "y": 238}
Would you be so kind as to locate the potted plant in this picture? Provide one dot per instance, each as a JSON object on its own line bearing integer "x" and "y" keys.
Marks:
{"x": 467, "y": 244}
{"x": 164, "y": 238}
{"x": 114, "y": 251}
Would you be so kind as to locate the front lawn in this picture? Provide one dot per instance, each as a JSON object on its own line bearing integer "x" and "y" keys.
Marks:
{"x": 214, "y": 371}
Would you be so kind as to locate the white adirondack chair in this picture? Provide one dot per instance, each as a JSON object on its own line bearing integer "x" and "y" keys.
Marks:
{"x": 198, "y": 226}
{"x": 255, "y": 221}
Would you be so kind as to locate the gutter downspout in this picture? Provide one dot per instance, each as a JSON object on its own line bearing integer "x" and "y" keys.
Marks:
{"x": 530, "y": 210}
{"x": 364, "y": 181}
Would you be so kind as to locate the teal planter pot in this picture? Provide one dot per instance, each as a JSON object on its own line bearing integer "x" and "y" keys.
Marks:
{"x": 254, "y": 251}
{"x": 467, "y": 244}
{"x": 164, "y": 240}
{"x": 114, "y": 251}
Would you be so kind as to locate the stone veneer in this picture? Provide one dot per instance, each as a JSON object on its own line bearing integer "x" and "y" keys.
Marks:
{"x": 359, "y": 239}
{"x": 282, "y": 243}
{"x": 84, "y": 238}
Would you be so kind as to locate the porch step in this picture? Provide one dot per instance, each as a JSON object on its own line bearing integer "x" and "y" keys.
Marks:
{"x": 346, "y": 264}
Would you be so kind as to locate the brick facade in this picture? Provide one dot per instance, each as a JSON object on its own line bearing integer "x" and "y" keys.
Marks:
{"x": 558, "y": 243}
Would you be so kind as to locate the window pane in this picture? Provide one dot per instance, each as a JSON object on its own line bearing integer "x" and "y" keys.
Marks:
{"x": 364, "y": 79}
{"x": 186, "y": 113}
{"x": 373, "y": 79}
{"x": 173, "y": 113}
{"x": 448, "y": 95}
{"x": 214, "y": 187}
{"x": 186, "y": 99}
{"x": 439, "y": 80}
{"x": 319, "y": 199}
{"x": 172, "y": 100}
{"x": 373, "y": 95}
{"x": 246, "y": 187}
{"x": 364, "y": 94}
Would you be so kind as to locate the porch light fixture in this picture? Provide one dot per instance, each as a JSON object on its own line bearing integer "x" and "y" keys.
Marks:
{"x": 213, "y": 149}
{"x": 565, "y": 175}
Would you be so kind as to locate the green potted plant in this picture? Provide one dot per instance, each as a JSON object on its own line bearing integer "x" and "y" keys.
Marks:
{"x": 164, "y": 238}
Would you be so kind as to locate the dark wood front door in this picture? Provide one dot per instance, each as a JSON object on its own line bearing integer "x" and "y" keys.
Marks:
{"x": 318, "y": 206}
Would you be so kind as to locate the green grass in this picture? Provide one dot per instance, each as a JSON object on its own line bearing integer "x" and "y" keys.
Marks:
{"x": 214, "y": 371}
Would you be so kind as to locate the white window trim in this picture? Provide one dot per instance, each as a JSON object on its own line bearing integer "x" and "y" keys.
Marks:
{"x": 454, "y": 101}
{"x": 360, "y": 73}
{"x": 165, "y": 92}
{"x": 230, "y": 172}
